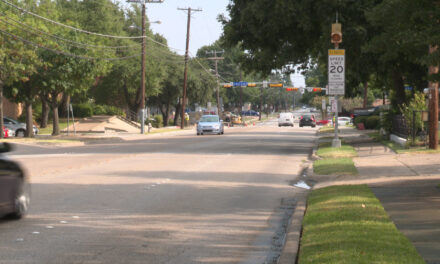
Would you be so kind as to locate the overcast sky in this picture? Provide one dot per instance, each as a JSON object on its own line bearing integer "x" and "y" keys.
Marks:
{"x": 205, "y": 29}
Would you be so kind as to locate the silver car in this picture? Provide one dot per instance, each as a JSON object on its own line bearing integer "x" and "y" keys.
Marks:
{"x": 210, "y": 124}
{"x": 18, "y": 127}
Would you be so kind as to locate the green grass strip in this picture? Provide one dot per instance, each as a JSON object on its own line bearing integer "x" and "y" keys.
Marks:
{"x": 346, "y": 225}
{"x": 339, "y": 166}
{"x": 325, "y": 150}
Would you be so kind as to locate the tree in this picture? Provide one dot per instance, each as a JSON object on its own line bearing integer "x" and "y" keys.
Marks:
{"x": 17, "y": 63}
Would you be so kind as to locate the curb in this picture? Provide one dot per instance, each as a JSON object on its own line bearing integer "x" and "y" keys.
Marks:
{"x": 290, "y": 251}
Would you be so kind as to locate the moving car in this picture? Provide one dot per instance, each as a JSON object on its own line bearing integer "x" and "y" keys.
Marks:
{"x": 307, "y": 120}
{"x": 14, "y": 186}
{"x": 16, "y": 126}
{"x": 286, "y": 119}
{"x": 210, "y": 124}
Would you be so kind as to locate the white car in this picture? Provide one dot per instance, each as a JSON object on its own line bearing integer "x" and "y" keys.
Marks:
{"x": 286, "y": 119}
{"x": 342, "y": 121}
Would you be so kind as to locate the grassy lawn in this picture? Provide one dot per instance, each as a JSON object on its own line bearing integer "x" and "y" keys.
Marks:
{"x": 399, "y": 148}
{"x": 325, "y": 150}
{"x": 327, "y": 129}
{"x": 48, "y": 130}
{"x": 346, "y": 225}
{"x": 340, "y": 166}
{"x": 164, "y": 130}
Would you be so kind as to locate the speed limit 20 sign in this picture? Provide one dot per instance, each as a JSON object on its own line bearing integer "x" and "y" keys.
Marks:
{"x": 336, "y": 72}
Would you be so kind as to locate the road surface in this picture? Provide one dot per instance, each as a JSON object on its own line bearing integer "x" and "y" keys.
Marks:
{"x": 167, "y": 199}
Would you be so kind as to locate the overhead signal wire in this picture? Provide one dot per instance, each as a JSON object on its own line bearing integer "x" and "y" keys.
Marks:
{"x": 63, "y": 52}
{"x": 71, "y": 42}
{"x": 67, "y": 26}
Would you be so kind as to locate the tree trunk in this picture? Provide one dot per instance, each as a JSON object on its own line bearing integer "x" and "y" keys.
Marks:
{"x": 1, "y": 110}
{"x": 29, "y": 120}
{"x": 62, "y": 111}
{"x": 365, "y": 94}
{"x": 56, "y": 126}
{"x": 176, "y": 116}
{"x": 44, "y": 113}
{"x": 399, "y": 88}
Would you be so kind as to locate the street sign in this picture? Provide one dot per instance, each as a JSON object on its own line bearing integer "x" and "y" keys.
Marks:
{"x": 240, "y": 83}
{"x": 336, "y": 72}
{"x": 323, "y": 105}
{"x": 264, "y": 84}
{"x": 334, "y": 105}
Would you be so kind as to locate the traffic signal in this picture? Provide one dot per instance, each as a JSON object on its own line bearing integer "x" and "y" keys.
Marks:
{"x": 227, "y": 86}
{"x": 336, "y": 36}
{"x": 276, "y": 85}
{"x": 291, "y": 89}
{"x": 317, "y": 89}
{"x": 252, "y": 85}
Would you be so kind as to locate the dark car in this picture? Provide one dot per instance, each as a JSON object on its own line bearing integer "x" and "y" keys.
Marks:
{"x": 250, "y": 113}
{"x": 307, "y": 120}
{"x": 14, "y": 186}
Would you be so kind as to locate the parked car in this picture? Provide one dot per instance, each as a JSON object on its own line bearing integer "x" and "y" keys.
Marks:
{"x": 342, "y": 121}
{"x": 14, "y": 186}
{"x": 307, "y": 120}
{"x": 210, "y": 124}
{"x": 18, "y": 127}
{"x": 250, "y": 113}
{"x": 322, "y": 122}
{"x": 286, "y": 119}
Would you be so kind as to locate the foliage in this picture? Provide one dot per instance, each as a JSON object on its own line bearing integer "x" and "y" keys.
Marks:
{"x": 106, "y": 110}
{"x": 414, "y": 106}
{"x": 372, "y": 122}
{"x": 158, "y": 121}
{"x": 327, "y": 151}
{"x": 82, "y": 110}
{"x": 360, "y": 119}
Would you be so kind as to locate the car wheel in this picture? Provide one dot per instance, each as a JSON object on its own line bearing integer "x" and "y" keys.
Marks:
{"x": 198, "y": 134}
{"x": 21, "y": 202}
{"x": 300, "y": 126}
{"x": 313, "y": 126}
{"x": 19, "y": 133}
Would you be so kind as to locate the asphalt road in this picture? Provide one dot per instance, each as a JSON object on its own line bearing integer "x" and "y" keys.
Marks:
{"x": 168, "y": 199}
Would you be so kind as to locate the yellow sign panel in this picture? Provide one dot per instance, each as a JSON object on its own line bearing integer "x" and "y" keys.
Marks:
{"x": 276, "y": 85}
{"x": 336, "y": 52}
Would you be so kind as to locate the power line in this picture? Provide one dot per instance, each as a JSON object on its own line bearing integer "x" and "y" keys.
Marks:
{"x": 72, "y": 43}
{"x": 67, "y": 26}
{"x": 62, "y": 52}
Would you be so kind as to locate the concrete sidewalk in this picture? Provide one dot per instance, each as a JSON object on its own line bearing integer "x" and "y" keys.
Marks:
{"x": 407, "y": 185}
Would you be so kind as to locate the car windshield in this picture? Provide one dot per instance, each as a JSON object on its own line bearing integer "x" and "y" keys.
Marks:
{"x": 209, "y": 119}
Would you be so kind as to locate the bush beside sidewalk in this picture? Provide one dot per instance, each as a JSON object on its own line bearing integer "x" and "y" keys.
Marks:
{"x": 347, "y": 224}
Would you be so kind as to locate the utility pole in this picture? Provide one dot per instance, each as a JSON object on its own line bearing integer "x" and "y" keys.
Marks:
{"x": 433, "y": 105}
{"x": 185, "y": 75}
{"x": 216, "y": 59}
{"x": 142, "y": 104}
{"x": 241, "y": 97}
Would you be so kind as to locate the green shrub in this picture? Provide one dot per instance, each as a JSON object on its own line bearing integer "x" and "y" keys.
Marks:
{"x": 158, "y": 121}
{"x": 99, "y": 110}
{"x": 372, "y": 122}
{"x": 107, "y": 110}
{"x": 360, "y": 119}
{"x": 82, "y": 110}
{"x": 171, "y": 122}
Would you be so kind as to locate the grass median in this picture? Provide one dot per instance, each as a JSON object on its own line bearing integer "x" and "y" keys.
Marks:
{"x": 347, "y": 224}
{"x": 335, "y": 160}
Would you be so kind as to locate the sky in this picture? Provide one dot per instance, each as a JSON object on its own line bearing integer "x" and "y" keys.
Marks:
{"x": 205, "y": 29}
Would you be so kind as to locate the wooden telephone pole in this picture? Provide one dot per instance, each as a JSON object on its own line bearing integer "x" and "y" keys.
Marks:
{"x": 433, "y": 105}
{"x": 185, "y": 76}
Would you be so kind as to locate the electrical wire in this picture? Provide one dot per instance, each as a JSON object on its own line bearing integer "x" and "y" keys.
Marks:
{"x": 67, "y": 26}
{"x": 71, "y": 42}
{"x": 62, "y": 52}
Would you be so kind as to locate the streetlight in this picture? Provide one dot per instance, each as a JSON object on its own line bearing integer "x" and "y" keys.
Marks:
{"x": 143, "y": 58}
